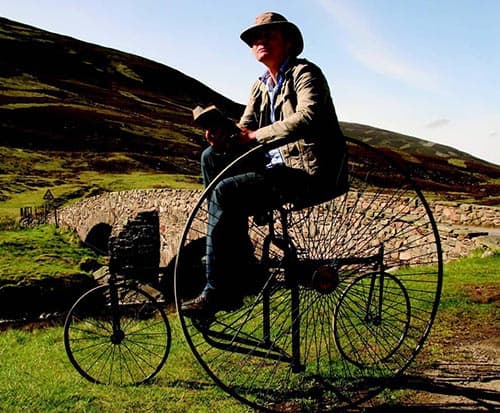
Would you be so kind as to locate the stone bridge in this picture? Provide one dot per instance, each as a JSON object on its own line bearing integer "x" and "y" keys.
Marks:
{"x": 94, "y": 219}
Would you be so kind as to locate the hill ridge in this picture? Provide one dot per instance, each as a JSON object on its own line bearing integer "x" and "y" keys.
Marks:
{"x": 90, "y": 107}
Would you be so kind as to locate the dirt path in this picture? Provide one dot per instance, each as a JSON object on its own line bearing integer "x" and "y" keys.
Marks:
{"x": 442, "y": 395}
{"x": 471, "y": 384}
{"x": 447, "y": 388}
{"x": 465, "y": 379}
{"x": 451, "y": 388}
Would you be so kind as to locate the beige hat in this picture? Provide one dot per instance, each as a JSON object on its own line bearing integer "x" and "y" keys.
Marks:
{"x": 271, "y": 19}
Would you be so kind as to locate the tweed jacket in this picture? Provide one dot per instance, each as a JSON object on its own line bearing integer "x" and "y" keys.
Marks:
{"x": 305, "y": 113}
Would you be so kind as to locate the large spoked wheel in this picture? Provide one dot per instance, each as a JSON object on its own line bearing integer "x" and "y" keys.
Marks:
{"x": 309, "y": 336}
{"x": 117, "y": 334}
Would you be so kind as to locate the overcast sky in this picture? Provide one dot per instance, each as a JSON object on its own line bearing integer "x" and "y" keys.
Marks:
{"x": 426, "y": 68}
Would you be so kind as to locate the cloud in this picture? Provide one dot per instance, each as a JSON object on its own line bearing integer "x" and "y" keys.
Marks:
{"x": 371, "y": 49}
{"x": 438, "y": 123}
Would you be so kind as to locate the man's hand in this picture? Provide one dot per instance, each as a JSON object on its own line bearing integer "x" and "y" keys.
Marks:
{"x": 246, "y": 135}
{"x": 222, "y": 140}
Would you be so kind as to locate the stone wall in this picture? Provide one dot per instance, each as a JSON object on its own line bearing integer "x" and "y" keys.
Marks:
{"x": 453, "y": 213}
{"x": 174, "y": 207}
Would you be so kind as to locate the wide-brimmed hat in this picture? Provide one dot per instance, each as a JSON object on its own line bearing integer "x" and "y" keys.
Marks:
{"x": 271, "y": 19}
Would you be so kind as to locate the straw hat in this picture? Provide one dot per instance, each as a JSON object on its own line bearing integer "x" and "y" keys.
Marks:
{"x": 271, "y": 19}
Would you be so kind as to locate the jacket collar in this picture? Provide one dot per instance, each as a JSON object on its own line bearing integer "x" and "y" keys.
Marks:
{"x": 285, "y": 66}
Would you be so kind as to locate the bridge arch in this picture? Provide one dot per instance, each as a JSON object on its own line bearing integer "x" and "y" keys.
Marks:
{"x": 98, "y": 237}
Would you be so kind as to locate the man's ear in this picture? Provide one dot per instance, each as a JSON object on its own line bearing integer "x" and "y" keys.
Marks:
{"x": 289, "y": 47}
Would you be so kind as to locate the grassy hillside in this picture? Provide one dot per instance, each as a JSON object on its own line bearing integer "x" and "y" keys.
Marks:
{"x": 73, "y": 115}
{"x": 79, "y": 119}
{"x": 444, "y": 171}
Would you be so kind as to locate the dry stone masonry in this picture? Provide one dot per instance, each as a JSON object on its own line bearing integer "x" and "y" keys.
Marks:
{"x": 173, "y": 207}
{"x": 453, "y": 213}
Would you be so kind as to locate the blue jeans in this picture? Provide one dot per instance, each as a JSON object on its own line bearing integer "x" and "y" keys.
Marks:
{"x": 252, "y": 190}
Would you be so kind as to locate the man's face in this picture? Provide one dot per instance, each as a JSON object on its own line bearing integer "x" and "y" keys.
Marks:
{"x": 270, "y": 46}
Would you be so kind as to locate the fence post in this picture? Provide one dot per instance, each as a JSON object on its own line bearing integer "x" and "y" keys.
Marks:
{"x": 49, "y": 203}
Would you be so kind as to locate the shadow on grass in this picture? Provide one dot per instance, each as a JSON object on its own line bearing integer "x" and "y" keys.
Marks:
{"x": 470, "y": 389}
{"x": 451, "y": 388}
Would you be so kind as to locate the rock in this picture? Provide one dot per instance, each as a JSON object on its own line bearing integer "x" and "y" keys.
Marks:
{"x": 491, "y": 242}
{"x": 101, "y": 275}
{"x": 89, "y": 264}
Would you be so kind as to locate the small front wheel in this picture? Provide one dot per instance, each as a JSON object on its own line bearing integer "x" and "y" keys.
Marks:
{"x": 117, "y": 334}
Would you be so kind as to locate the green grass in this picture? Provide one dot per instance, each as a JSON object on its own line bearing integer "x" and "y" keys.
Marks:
{"x": 28, "y": 193}
{"x": 26, "y": 83}
{"x": 36, "y": 375}
{"x": 464, "y": 316}
{"x": 42, "y": 252}
{"x": 141, "y": 180}
{"x": 469, "y": 282}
